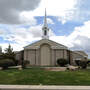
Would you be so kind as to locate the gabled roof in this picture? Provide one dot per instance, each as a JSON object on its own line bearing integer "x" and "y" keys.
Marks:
{"x": 53, "y": 44}
{"x": 81, "y": 53}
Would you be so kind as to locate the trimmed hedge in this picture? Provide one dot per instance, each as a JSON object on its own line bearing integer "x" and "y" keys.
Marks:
{"x": 62, "y": 62}
{"x": 5, "y": 63}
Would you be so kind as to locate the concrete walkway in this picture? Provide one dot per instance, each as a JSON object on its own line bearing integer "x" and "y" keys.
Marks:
{"x": 39, "y": 87}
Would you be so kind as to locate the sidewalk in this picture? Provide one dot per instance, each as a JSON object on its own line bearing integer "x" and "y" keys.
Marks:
{"x": 39, "y": 87}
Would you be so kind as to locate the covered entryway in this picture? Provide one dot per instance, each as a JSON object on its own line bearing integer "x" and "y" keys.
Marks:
{"x": 45, "y": 55}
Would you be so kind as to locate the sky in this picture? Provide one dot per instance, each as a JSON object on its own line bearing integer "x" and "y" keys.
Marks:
{"x": 21, "y": 23}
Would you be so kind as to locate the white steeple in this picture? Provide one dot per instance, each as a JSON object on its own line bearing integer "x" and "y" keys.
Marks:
{"x": 45, "y": 29}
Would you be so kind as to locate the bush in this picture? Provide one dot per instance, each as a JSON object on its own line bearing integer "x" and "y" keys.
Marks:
{"x": 77, "y": 62}
{"x": 25, "y": 63}
{"x": 5, "y": 63}
{"x": 62, "y": 62}
{"x": 83, "y": 64}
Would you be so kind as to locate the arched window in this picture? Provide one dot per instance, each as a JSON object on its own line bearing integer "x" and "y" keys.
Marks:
{"x": 45, "y": 32}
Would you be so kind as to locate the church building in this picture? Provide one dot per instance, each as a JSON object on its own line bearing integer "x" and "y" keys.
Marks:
{"x": 46, "y": 52}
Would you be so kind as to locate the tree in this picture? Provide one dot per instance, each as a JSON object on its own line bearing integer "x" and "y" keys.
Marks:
{"x": 0, "y": 50}
{"x": 8, "y": 58}
{"x": 9, "y": 53}
{"x": 9, "y": 50}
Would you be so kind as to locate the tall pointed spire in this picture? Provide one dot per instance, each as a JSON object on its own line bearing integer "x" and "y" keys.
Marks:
{"x": 45, "y": 29}
{"x": 45, "y": 19}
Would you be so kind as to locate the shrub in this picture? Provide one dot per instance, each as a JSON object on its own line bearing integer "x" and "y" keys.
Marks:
{"x": 16, "y": 62}
{"x": 62, "y": 62}
{"x": 77, "y": 62}
{"x": 83, "y": 64}
{"x": 25, "y": 63}
{"x": 5, "y": 63}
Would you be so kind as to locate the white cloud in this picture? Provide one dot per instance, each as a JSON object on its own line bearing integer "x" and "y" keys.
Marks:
{"x": 23, "y": 11}
{"x": 64, "y": 9}
{"x": 10, "y": 10}
{"x": 23, "y": 36}
{"x": 79, "y": 39}
{"x": 16, "y": 47}
{"x": 50, "y": 21}
{"x": 69, "y": 15}
{"x": 1, "y": 31}
{"x": 27, "y": 19}
{"x": 81, "y": 31}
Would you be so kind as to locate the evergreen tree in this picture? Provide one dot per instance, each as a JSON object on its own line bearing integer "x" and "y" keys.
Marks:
{"x": 0, "y": 50}
{"x": 9, "y": 50}
{"x": 9, "y": 53}
{"x": 8, "y": 58}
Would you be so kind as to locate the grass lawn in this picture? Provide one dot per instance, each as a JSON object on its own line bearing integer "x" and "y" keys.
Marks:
{"x": 37, "y": 76}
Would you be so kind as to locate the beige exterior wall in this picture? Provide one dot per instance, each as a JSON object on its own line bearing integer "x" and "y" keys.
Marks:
{"x": 45, "y": 53}
{"x": 19, "y": 56}
{"x": 53, "y": 58}
{"x": 37, "y": 57}
{"x": 65, "y": 54}
{"x": 77, "y": 56}
{"x": 61, "y": 53}
{"x": 30, "y": 56}
{"x": 45, "y": 56}
{"x": 72, "y": 62}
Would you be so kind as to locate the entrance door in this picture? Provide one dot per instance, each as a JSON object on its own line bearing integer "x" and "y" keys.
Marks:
{"x": 45, "y": 55}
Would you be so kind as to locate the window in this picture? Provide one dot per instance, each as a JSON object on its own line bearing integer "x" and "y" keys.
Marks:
{"x": 45, "y": 32}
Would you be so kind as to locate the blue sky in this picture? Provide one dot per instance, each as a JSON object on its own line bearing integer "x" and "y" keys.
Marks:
{"x": 21, "y": 22}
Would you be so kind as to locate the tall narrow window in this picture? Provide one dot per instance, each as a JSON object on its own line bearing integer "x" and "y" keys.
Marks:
{"x": 45, "y": 32}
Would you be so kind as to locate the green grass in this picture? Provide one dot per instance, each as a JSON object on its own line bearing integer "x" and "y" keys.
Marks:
{"x": 37, "y": 76}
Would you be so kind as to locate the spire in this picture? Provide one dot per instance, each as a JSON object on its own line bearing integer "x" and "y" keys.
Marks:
{"x": 45, "y": 29}
{"x": 45, "y": 19}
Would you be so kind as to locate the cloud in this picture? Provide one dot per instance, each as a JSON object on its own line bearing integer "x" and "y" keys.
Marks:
{"x": 50, "y": 21}
{"x": 11, "y": 9}
{"x": 79, "y": 39}
{"x": 36, "y": 31}
{"x": 82, "y": 11}
{"x": 27, "y": 19}
{"x": 82, "y": 45}
{"x": 79, "y": 13}
{"x": 1, "y": 31}
{"x": 19, "y": 35}
{"x": 64, "y": 9}
{"x": 23, "y": 11}
{"x": 16, "y": 47}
